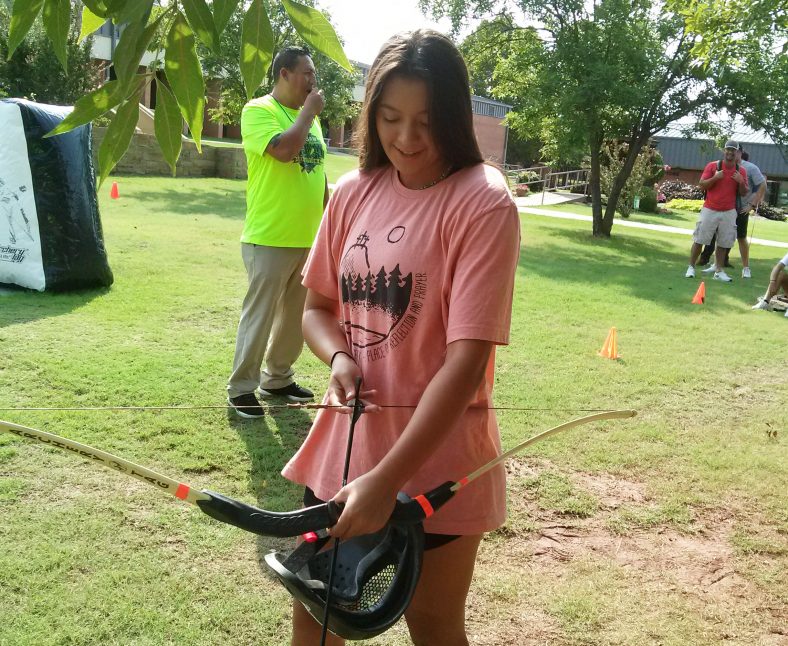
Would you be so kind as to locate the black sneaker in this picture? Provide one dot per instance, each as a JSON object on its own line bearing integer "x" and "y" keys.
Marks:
{"x": 292, "y": 392}
{"x": 246, "y": 406}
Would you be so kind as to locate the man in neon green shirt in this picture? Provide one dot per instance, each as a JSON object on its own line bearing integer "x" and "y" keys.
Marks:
{"x": 285, "y": 196}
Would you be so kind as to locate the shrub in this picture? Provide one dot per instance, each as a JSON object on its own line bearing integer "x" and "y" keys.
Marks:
{"x": 613, "y": 155}
{"x": 772, "y": 213}
{"x": 648, "y": 200}
{"x": 674, "y": 189}
{"x": 527, "y": 176}
{"x": 531, "y": 179}
{"x": 686, "y": 205}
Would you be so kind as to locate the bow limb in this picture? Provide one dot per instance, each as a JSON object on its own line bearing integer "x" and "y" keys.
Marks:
{"x": 222, "y": 508}
{"x": 612, "y": 414}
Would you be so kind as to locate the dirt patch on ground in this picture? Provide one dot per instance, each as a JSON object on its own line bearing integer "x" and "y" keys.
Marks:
{"x": 699, "y": 570}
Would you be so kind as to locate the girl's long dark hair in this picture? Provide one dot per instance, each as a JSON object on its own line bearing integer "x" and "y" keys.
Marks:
{"x": 430, "y": 56}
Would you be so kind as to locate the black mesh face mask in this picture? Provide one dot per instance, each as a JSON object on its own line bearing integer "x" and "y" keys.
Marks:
{"x": 375, "y": 577}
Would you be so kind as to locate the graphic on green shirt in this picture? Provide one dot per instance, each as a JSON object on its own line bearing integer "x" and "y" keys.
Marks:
{"x": 311, "y": 155}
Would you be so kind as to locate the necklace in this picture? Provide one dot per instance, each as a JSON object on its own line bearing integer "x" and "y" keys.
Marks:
{"x": 287, "y": 114}
{"x": 443, "y": 176}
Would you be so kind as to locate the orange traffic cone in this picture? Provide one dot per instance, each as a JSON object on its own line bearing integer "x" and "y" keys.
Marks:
{"x": 610, "y": 348}
{"x": 113, "y": 192}
{"x": 700, "y": 295}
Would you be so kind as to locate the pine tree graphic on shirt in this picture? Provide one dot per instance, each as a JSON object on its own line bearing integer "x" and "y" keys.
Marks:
{"x": 377, "y": 302}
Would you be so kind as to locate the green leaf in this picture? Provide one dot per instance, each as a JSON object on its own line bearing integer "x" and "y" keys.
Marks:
{"x": 90, "y": 23}
{"x": 118, "y": 135}
{"x": 201, "y": 21}
{"x": 222, "y": 10}
{"x": 123, "y": 11}
{"x": 257, "y": 44}
{"x": 57, "y": 20}
{"x": 131, "y": 46}
{"x": 23, "y": 15}
{"x": 184, "y": 75}
{"x": 168, "y": 125}
{"x": 315, "y": 29}
{"x": 89, "y": 107}
{"x": 97, "y": 7}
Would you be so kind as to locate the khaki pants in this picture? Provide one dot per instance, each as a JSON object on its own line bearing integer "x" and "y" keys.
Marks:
{"x": 270, "y": 327}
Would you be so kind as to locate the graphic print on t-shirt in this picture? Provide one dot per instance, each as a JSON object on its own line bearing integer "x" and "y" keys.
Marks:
{"x": 310, "y": 155}
{"x": 381, "y": 305}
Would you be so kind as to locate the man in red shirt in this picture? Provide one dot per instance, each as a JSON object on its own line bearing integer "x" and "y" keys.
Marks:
{"x": 723, "y": 182}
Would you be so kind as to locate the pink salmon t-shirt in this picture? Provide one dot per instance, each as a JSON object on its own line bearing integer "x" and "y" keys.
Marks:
{"x": 412, "y": 271}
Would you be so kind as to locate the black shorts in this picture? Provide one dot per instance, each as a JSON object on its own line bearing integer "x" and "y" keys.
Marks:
{"x": 431, "y": 541}
{"x": 742, "y": 220}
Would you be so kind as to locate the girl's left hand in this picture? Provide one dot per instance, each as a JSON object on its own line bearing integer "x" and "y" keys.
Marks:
{"x": 368, "y": 507}
{"x": 342, "y": 386}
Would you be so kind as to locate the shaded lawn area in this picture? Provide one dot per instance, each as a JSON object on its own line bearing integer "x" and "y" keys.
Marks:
{"x": 89, "y": 556}
{"x": 759, "y": 227}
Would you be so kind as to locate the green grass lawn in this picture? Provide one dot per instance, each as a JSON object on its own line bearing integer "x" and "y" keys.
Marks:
{"x": 671, "y": 528}
{"x": 337, "y": 164}
{"x": 759, "y": 227}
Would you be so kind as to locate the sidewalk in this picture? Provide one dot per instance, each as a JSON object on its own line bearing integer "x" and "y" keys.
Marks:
{"x": 541, "y": 199}
{"x": 635, "y": 225}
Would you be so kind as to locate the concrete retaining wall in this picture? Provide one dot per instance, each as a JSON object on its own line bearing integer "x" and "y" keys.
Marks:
{"x": 144, "y": 158}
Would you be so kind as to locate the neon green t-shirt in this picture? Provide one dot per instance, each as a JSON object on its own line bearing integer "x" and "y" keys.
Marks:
{"x": 284, "y": 201}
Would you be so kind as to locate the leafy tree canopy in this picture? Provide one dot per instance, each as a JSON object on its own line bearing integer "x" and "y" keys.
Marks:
{"x": 34, "y": 72}
{"x": 184, "y": 23}
{"x": 336, "y": 82}
{"x": 581, "y": 74}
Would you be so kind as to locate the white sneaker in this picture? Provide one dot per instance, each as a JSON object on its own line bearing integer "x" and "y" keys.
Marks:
{"x": 745, "y": 273}
{"x": 762, "y": 304}
{"x": 786, "y": 314}
{"x": 709, "y": 269}
{"x": 690, "y": 272}
{"x": 721, "y": 275}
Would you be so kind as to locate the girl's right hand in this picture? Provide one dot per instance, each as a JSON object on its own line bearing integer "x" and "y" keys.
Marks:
{"x": 342, "y": 386}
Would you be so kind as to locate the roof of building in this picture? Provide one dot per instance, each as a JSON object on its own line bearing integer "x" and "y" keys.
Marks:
{"x": 681, "y": 152}
{"x": 489, "y": 107}
{"x": 735, "y": 130}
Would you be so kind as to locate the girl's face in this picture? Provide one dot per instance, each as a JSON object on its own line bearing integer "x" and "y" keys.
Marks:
{"x": 402, "y": 121}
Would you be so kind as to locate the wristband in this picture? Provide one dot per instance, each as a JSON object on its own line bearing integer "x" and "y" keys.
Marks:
{"x": 334, "y": 356}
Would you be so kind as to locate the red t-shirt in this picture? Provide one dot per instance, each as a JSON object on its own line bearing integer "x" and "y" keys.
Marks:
{"x": 722, "y": 195}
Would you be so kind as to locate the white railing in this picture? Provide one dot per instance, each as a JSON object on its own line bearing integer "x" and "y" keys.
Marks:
{"x": 566, "y": 180}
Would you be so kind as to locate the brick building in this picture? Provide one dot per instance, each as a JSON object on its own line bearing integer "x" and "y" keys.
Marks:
{"x": 488, "y": 122}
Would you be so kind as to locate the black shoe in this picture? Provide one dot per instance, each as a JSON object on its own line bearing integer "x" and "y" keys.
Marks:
{"x": 292, "y": 392}
{"x": 246, "y": 406}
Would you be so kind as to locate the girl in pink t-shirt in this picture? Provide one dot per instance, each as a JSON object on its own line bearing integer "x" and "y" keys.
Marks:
{"x": 410, "y": 287}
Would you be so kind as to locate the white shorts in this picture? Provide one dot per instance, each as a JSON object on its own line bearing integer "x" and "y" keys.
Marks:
{"x": 723, "y": 223}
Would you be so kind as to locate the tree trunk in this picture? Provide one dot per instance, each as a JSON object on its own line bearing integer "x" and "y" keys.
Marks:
{"x": 596, "y": 189}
